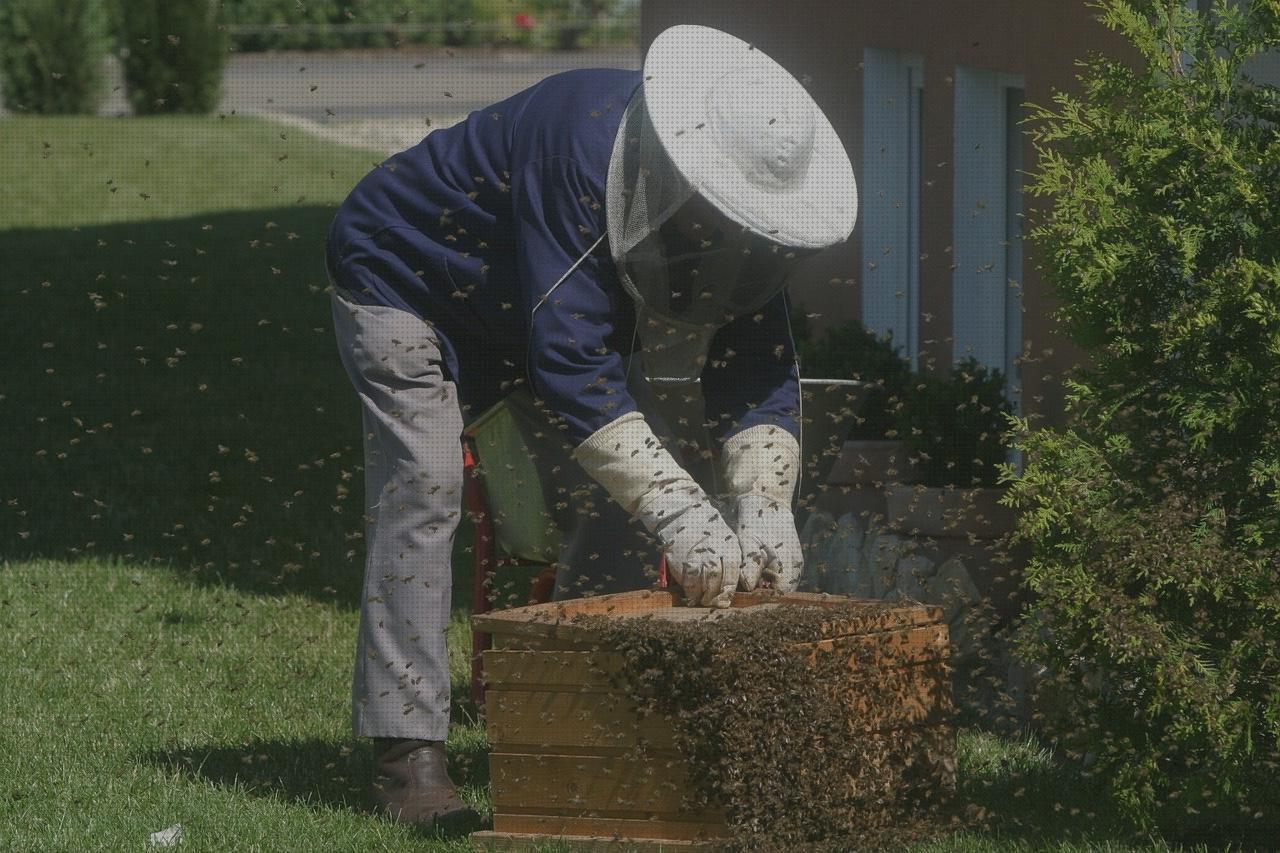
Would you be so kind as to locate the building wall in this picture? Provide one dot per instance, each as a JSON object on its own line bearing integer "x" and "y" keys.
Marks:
{"x": 1035, "y": 44}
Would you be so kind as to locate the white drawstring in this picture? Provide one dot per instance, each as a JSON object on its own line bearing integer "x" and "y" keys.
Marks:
{"x": 636, "y": 333}
{"x": 567, "y": 273}
{"x": 795, "y": 353}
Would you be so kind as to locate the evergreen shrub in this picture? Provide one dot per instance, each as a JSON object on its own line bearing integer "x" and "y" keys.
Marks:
{"x": 51, "y": 55}
{"x": 1153, "y": 515}
{"x": 954, "y": 426}
{"x": 174, "y": 52}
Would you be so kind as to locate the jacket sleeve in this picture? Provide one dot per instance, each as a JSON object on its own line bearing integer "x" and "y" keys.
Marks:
{"x": 574, "y": 332}
{"x": 751, "y": 377}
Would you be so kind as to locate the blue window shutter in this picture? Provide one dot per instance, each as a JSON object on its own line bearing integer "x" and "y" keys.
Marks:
{"x": 986, "y": 244}
{"x": 889, "y": 196}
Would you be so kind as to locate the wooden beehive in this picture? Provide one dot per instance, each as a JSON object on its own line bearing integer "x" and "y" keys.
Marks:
{"x": 565, "y": 763}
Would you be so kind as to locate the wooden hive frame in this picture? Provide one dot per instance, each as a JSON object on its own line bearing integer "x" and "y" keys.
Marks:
{"x": 573, "y": 759}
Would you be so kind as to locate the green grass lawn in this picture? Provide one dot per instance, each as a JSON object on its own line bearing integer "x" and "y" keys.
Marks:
{"x": 137, "y": 699}
{"x": 180, "y": 511}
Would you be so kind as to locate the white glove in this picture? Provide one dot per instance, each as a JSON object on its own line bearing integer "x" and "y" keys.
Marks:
{"x": 770, "y": 543}
{"x": 703, "y": 553}
{"x": 761, "y": 467}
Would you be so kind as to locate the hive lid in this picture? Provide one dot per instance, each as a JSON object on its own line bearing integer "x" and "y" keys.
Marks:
{"x": 562, "y": 619}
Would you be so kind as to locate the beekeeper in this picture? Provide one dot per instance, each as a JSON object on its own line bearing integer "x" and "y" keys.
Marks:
{"x": 598, "y": 226}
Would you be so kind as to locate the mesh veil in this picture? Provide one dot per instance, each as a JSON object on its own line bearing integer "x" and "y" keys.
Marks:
{"x": 696, "y": 280}
{"x": 643, "y": 188}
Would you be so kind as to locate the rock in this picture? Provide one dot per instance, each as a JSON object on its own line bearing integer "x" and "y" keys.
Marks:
{"x": 857, "y": 574}
{"x": 923, "y": 567}
{"x": 882, "y": 561}
{"x": 907, "y": 588}
{"x": 840, "y": 559}
{"x": 1019, "y": 676}
{"x": 961, "y": 636}
{"x": 168, "y": 837}
{"x": 815, "y": 540}
{"x": 817, "y": 525}
{"x": 913, "y": 571}
{"x": 971, "y": 633}
{"x": 952, "y": 588}
{"x": 863, "y": 585}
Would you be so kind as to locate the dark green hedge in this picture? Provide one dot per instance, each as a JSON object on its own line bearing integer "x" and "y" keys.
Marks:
{"x": 51, "y": 55}
{"x": 403, "y": 20}
{"x": 173, "y": 53}
{"x": 952, "y": 423}
{"x": 347, "y": 23}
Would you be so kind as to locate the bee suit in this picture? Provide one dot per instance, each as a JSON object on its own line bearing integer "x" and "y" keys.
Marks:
{"x": 600, "y": 224}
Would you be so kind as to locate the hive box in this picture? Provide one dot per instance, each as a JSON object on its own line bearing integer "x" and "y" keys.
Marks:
{"x": 573, "y": 758}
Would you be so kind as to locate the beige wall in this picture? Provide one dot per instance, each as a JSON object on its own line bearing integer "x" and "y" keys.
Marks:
{"x": 824, "y": 39}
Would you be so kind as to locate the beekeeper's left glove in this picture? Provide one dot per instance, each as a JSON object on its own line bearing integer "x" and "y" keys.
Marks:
{"x": 761, "y": 466}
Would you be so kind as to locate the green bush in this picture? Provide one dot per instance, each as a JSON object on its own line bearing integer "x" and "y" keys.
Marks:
{"x": 292, "y": 12}
{"x": 954, "y": 426}
{"x": 174, "y": 52}
{"x": 459, "y": 18}
{"x": 51, "y": 55}
{"x": 848, "y": 351}
{"x": 400, "y": 18}
{"x": 567, "y": 22}
{"x": 623, "y": 25}
{"x": 1153, "y": 516}
{"x": 343, "y": 23}
{"x": 451, "y": 22}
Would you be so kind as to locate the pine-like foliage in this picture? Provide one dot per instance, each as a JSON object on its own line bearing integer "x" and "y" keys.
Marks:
{"x": 51, "y": 54}
{"x": 954, "y": 425}
{"x": 1154, "y": 515}
{"x": 174, "y": 54}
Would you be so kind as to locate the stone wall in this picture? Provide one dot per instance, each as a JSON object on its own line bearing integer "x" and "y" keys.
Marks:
{"x": 974, "y": 582}
{"x": 853, "y": 556}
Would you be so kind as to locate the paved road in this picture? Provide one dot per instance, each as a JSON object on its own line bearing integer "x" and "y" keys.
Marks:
{"x": 388, "y": 100}
{"x": 382, "y": 100}
{"x": 396, "y": 84}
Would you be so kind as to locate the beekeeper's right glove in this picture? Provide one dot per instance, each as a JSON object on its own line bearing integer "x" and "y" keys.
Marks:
{"x": 703, "y": 553}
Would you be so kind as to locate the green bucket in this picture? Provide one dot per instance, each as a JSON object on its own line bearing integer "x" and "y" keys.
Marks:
{"x": 522, "y": 522}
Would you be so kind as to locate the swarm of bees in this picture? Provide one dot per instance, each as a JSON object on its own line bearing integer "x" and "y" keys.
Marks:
{"x": 802, "y": 748}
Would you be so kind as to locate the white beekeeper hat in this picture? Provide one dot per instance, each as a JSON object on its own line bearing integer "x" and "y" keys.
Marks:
{"x": 717, "y": 118}
{"x": 745, "y": 134}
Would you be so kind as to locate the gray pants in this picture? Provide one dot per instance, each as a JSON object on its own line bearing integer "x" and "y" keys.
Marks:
{"x": 413, "y": 496}
{"x": 413, "y": 501}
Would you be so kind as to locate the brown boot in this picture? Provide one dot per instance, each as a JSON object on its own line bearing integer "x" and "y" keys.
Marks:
{"x": 411, "y": 783}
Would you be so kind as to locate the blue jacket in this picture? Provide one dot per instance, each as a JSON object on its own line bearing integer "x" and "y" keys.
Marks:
{"x": 470, "y": 227}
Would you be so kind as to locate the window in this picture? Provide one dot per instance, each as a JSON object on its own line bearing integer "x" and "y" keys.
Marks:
{"x": 889, "y": 196}
{"x": 987, "y": 223}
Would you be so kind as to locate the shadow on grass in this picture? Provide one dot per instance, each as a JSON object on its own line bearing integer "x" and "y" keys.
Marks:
{"x": 313, "y": 773}
{"x": 180, "y": 401}
{"x": 1024, "y": 792}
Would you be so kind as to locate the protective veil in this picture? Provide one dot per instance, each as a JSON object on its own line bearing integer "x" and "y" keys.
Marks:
{"x": 689, "y": 268}
{"x": 724, "y": 174}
